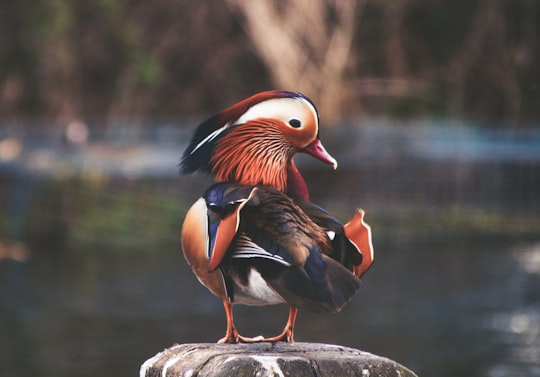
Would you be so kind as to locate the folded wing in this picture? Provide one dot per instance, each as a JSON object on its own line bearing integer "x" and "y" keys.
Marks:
{"x": 261, "y": 229}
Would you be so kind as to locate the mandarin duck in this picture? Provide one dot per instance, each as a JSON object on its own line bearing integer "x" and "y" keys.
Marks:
{"x": 254, "y": 237}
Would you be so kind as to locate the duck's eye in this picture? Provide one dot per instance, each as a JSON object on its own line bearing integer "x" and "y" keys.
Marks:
{"x": 295, "y": 123}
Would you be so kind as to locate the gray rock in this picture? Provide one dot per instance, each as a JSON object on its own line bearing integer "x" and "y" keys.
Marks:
{"x": 269, "y": 359}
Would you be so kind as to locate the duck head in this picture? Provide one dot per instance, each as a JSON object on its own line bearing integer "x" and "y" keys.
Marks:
{"x": 253, "y": 142}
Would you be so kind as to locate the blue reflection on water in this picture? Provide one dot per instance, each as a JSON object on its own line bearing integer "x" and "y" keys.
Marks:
{"x": 441, "y": 312}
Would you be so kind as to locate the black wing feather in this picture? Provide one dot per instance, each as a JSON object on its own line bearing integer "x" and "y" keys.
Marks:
{"x": 199, "y": 159}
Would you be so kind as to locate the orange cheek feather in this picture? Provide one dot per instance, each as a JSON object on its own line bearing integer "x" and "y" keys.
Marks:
{"x": 300, "y": 138}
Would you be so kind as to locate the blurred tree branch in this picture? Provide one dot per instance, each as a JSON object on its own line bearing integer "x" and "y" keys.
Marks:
{"x": 128, "y": 59}
{"x": 306, "y": 45}
{"x": 487, "y": 37}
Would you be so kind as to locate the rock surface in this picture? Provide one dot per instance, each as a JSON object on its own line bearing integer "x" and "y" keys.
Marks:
{"x": 269, "y": 359}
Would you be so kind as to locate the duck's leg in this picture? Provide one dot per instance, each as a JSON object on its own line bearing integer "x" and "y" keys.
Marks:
{"x": 231, "y": 334}
{"x": 287, "y": 335}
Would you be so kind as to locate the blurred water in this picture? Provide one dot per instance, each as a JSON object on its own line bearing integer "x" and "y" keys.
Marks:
{"x": 455, "y": 309}
{"x": 455, "y": 288}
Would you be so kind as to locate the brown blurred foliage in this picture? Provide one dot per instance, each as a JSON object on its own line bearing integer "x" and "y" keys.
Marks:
{"x": 124, "y": 59}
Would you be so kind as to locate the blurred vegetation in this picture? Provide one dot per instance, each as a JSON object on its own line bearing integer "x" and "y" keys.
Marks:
{"x": 140, "y": 214}
{"x": 112, "y": 212}
{"x": 111, "y": 59}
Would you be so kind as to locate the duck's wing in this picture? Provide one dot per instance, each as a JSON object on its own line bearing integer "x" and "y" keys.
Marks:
{"x": 351, "y": 243}
{"x": 358, "y": 232}
{"x": 265, "y": 230}
{"x": 229, "y": 206}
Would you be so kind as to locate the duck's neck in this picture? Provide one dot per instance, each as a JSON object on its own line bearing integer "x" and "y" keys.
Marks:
{"x": 247, "y": 157}
{"x": 251, "y": 171}
{"x": 280, "y": 176}
{"x": 296, "y": 186}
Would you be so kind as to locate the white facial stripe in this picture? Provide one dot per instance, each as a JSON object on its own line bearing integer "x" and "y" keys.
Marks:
{"x": 283, "y": 109}
{"x": 210, "y": 137}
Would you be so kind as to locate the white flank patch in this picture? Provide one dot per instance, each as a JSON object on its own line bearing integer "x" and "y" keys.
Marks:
{"x": 257, "y": 292}
{"x": 260, "y": 288}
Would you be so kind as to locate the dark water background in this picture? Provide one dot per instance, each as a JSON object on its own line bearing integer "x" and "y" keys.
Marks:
{"x": 92, "y": 280}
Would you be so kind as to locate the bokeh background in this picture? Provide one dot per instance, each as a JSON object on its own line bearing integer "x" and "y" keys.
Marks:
{"x": 432, "y": 109}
